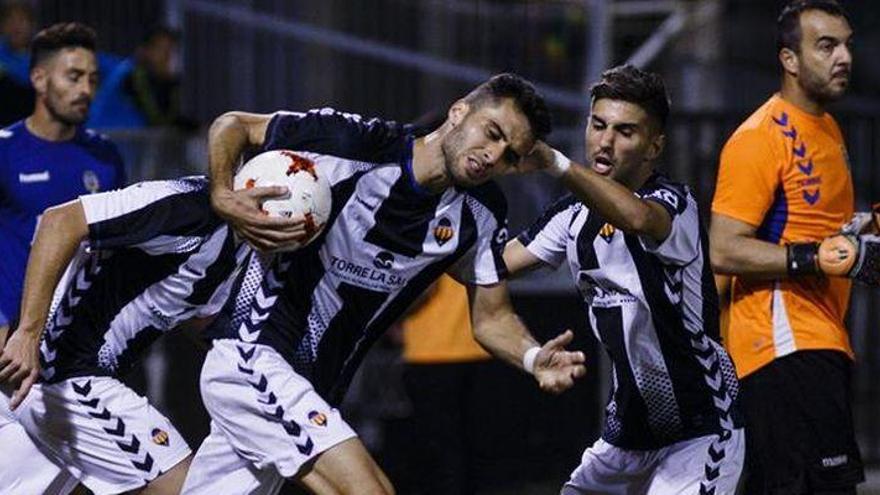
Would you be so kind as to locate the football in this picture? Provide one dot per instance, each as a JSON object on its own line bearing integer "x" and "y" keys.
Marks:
{"x": 308, "y": 190}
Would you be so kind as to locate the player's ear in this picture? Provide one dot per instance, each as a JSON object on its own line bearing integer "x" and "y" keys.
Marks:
{"x": 790, "y": 61}
{"x": 656, "y": 148}
{"x": 39, "y": 76}
{"x": 457, "y": 112}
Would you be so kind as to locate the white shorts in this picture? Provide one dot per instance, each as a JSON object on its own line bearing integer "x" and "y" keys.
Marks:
{"x": 17, "y": 450}
{"x": 266, "y": 422}
{"x": 106, "y": 435}
{"x": 709, "y": 465}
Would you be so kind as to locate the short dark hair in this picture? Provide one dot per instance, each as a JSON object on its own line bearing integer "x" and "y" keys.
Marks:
{"x": 634, "y": 85}
{"x": 788, "y": 24}
{"x": 60, "y": 36}
{"x": 524, "y": 95}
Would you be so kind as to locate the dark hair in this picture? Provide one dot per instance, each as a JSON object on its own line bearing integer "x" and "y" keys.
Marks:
{"x": 59, "y": 36}
{"x": 524, "y": 95}
{"x": 628, "y": 83}
{"x": 788, "y": 24}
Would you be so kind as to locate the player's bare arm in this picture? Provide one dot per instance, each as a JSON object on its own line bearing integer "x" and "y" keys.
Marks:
{"x": 60, "y": 231}
{"x": 497, "y": 328}
{"x": 612, "y": 200}
{"x": 230, "y": 135}
{"x": 735, "y": 250}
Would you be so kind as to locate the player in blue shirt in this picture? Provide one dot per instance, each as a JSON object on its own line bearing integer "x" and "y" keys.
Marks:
{"x": 50, "y": 158}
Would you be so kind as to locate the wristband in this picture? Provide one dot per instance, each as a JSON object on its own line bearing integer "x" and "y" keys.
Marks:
{"x": 801, "y": 258}
{"x": 560, "y": 164}
{"x": 529, "y": 359}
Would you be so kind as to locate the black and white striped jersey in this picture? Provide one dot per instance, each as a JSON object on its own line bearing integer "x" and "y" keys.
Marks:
{"x": 387, "y": 239}
{"x": 156, "y": 255}
{"x": 655, "y": 310}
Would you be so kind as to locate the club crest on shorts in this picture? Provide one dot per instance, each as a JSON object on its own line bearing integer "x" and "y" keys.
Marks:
{"x": 160, "y": 437}
{"x": 443, "y": 231}
{"x": 318, "y": 418}
{"x": 91, "y": 182}
{"x": 607, "y": 232}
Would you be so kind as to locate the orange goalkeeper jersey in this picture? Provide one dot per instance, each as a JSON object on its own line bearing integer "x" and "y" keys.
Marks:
{"x": 785, "y": 172}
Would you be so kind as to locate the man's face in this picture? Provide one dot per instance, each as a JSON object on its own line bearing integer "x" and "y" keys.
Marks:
{"x": 621, "y": 141}
{"x": 825, "y": 60}
{"x": 66, "y": 84}
{"x": 486, "y": 141}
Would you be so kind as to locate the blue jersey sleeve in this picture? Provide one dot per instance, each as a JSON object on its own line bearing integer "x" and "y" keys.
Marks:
{"x": 103, "y": 149}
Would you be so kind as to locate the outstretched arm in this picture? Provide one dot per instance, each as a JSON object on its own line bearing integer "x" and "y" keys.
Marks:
{"x": 230, "y": 135}
{"x": 612, "y": 200}
{"x": 60, "y": 231}
{"x": 500, "y": 331}
{"x": 736, "y": 250}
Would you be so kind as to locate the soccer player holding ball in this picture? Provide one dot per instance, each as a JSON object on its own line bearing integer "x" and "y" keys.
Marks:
{"x": 290, "y": 339}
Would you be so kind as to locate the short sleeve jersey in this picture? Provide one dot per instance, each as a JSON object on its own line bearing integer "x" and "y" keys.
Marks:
{"x": 156, "y": 255}
{"x": 786, "y": 173}
{"x": 36, "y": 174}
{"x": 654, "y": 308}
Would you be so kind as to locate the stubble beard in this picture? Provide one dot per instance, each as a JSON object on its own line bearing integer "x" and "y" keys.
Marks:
{"x": 68, "y": 119}
{"x": 451, "y": 149}
{"x": 819, "y": 90}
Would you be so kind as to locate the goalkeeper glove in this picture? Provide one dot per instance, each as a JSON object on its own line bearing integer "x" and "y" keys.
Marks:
{"x": 841, "y": 255}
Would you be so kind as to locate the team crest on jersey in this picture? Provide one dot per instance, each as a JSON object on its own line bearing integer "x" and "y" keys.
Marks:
{"x": 91, "y": 182}
{"x": 160, "y": 437}
{"x": 443, "y": 231}
{"x": 383, "y": 260}
{"x": 318, "y": 418}
{"x": 607, "y": 232}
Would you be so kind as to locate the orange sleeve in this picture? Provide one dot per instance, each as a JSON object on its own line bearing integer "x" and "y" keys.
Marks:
{"x": 748, "y": 176}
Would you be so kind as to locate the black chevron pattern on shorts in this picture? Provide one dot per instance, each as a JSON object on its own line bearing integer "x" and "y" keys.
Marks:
{"x": 267, "y": 397}
{"x": 707, "y": 356}
{"x": 115, "y": 428}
